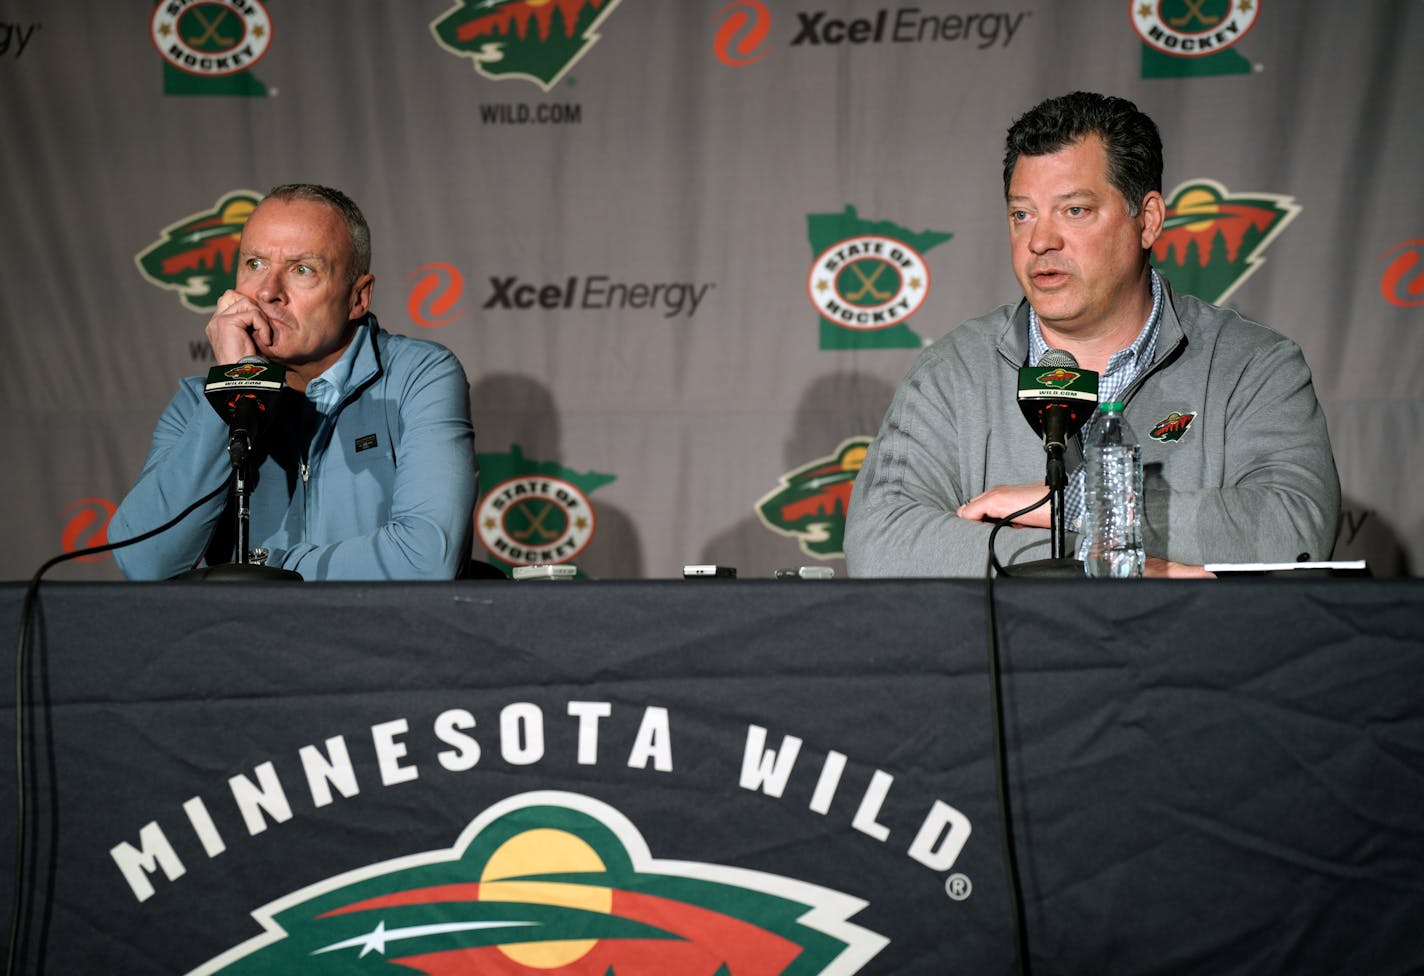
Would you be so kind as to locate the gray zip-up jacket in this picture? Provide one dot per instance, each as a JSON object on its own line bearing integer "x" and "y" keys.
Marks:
{"x": 1236, "y": 457}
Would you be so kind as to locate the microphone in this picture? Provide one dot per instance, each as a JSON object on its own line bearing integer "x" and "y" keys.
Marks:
{"x": 245, "y": 394}
{"x": 1057, "y": 398}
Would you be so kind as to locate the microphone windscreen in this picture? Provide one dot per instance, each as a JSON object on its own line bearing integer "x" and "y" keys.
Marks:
{"x": 1061, "y": 358}
{"x": 1057, "y": 386}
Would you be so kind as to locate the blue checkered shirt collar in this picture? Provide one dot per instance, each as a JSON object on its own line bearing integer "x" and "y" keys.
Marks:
{"x": 1124, "y": 366}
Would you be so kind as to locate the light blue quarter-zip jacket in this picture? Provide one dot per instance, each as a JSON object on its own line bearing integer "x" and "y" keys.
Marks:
{"x": 371, "y": 476}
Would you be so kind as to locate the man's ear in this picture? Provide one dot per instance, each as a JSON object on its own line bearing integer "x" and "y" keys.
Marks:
{"x": 361, "y": 296}
{"x": 1153, "y": 215}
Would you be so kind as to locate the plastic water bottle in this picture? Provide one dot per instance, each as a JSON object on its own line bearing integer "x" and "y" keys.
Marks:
{"x": 1112, "y": 497}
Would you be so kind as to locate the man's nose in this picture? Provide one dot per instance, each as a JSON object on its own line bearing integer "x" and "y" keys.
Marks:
{"x": 269, "y": 288}
{"x": 1044, "y": 237}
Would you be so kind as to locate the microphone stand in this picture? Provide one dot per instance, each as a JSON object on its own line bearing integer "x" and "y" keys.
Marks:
{"x": 1055, "y": 420}
{"x": 242, "y": 569}
{"x": 1057, "y": 480}
{"x": 237, "y": 448}
{"x": 1059, "y": 565}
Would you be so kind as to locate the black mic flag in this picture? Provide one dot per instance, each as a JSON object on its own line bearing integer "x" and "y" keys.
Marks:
{"x": 1057, "y": 398}
{"x": 245, "y": 393}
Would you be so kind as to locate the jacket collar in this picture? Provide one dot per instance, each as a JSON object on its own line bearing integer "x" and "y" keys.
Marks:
{"x": 367, "y": 364}
{"x": 1170, "y": 333}
{"x": 359, "y": 364}
{"x": 1013, "y": 341}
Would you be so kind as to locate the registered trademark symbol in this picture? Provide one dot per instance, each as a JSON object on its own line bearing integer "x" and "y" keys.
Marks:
{"x": 958, "y": 886}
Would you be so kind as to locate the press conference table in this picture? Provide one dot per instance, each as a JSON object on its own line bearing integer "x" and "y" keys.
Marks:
{"x": 799, "y": 777}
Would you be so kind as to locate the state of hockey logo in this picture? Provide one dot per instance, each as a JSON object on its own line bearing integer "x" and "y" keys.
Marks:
{"x": 1187, "y": 29}
{"x": 211, "y": 39}
{"x": 533, "y": 519}
{"x": 868, "y": 282}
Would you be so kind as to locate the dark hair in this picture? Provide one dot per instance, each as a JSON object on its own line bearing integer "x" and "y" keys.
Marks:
{"x": 342, "y": 204}
{"x": 1133, "y": 143}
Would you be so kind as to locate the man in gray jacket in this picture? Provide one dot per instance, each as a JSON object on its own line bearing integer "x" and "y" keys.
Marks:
{"x": 1236, "y": 455}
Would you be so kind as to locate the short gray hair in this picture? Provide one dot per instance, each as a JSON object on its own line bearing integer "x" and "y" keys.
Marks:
{"x": 342, "y": 204}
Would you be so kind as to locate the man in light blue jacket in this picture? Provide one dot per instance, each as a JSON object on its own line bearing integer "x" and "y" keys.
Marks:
{"x": 368, "y": 471}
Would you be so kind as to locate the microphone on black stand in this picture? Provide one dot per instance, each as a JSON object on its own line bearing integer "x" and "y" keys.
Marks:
{"x": 1056, "y": 398}
{"x": 245, "y": 394}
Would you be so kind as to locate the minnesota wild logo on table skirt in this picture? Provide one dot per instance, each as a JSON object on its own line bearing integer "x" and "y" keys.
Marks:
{"x": 550, "y": 881}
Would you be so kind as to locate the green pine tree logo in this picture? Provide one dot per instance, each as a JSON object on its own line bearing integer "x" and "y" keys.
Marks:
{"x": 1213, "y": 240}
{"x": 536, "y": 40}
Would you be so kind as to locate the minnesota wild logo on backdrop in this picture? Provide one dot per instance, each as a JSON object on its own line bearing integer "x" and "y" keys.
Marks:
{"x": 537, "y": 40}
{"x": 810, "y": 503}
{"x": 1213, "y": 240}
{"x": 552, "y": 881}
{"x": 197, "y": 255}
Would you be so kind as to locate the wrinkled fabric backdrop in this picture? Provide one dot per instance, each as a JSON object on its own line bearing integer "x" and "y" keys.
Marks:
{"x": 685, "y": 249}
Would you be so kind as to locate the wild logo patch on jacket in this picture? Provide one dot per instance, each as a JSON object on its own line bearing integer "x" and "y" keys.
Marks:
{"x": 809, "y": 504}
{"x": 537, "y": 40}
{"x": 559, "y": 881}
{"x": 1213, "y": 239}
{"x": 1172, "y": 427}
{"x": 197, "y": 255}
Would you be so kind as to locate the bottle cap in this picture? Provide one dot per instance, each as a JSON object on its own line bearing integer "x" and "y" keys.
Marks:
{"x": 1110, "y": 406}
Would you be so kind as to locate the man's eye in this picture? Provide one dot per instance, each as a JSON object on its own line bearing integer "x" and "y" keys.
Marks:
{"x": 1018, "y": 216}
{"x": 1076, "y": 211}
{"x": 303, "y": 269}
